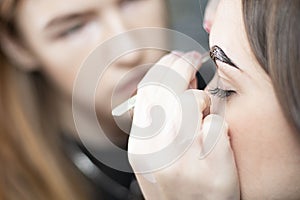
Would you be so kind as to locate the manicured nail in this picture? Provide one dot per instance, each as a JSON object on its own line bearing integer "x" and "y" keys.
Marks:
{"x": 177, "y": 53}
{"x": 194, "y": 57}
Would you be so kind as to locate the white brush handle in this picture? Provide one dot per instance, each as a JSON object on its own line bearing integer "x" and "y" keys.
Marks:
{"x": 130, "y": 103}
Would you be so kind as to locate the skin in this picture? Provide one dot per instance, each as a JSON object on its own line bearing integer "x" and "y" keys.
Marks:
{"x": 57, "y": 49}
{"x": 209, "y": 15}
{"x": 265, "y": 146}
{"x": 213, "y": 176}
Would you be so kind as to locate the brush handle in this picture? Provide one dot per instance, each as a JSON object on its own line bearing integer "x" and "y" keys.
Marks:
{"x": 130, "y": 103}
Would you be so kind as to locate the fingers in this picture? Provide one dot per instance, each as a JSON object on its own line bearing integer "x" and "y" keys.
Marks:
{"x": 157, "y": 72}
{"x": 214, "y": 141}
{"x": 193, "y": 84}
{"x": 218, "y": 154}
{"x": 170, "y": 58}
{"x": 173, "y": 71}
{"x": 187, "y": 66}
{"x": 201, "y": 98}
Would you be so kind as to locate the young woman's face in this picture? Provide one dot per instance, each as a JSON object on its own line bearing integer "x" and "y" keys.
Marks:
{"x": 60, "y": 34}
{"x": 265, "y": 146}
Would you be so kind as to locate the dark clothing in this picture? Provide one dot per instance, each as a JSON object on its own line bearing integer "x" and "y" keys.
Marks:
{"x": 108, "y": 183}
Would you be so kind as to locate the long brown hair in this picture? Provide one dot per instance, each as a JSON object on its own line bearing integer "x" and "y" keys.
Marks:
{"x": 273, "y": 30}
{"x": 32, "y": 161}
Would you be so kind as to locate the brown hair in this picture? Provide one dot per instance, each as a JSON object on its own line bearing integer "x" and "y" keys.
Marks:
{"x": 33, "y": 163}
{"x": 273, "y": 30}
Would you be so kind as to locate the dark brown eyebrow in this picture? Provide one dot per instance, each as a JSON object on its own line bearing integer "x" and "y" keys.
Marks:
{"x": 216, "y": 53}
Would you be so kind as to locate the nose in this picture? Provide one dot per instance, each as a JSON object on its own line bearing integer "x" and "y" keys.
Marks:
{"x": 127, "y": 42}
{"x": 209, "y": 15}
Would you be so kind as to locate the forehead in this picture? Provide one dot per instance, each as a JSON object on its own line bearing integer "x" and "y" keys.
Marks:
{"x": 228, "y": 32}
{"x": 38, "y": 12}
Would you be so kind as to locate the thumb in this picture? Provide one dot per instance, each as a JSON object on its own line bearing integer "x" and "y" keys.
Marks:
{"x": 218, "y": 155}
{"x": 214, "y": 140}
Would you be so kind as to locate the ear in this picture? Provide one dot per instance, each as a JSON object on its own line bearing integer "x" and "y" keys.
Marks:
{"x": 17, "y": 53}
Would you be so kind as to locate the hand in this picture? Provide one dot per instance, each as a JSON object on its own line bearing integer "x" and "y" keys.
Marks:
{"x": 200, "y": 163}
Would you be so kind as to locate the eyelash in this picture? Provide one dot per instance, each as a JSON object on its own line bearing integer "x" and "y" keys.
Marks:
{"x": 222, "y": 94}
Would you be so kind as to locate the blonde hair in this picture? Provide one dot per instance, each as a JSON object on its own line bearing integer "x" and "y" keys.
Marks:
{"x": 33, "y": 163}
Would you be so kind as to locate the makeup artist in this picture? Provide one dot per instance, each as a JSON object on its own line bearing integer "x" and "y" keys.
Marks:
{"x": 42, "y": 45}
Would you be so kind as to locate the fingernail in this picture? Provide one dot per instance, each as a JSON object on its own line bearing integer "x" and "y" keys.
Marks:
{"x": 177, "y": 53}
{"x": 194, "y": 58}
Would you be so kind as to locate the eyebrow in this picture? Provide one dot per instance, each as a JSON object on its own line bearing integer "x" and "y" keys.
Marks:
{"x": 216, "y": 53}
{"x": 62, "y": 19}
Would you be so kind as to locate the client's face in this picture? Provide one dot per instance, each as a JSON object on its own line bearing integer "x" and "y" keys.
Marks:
{"x": 266, "y": 149}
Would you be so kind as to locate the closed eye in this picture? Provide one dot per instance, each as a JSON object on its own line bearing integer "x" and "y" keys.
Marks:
{"x": 64, "y": 26}
{"x": 221, "y": 93}
{"x": 71, "y": 30}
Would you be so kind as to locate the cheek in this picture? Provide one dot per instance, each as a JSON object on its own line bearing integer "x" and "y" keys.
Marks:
{"x": 256, "y": 124}
{"x": 61, "y": 71}
{"x": 261, "y": 140}
{"x": 61, "y": 60}
{"x": 250, "y": 143}
{"x": 244, "y": 128}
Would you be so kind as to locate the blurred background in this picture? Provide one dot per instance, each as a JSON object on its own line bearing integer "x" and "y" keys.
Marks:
{"x": 187, "y": 17}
